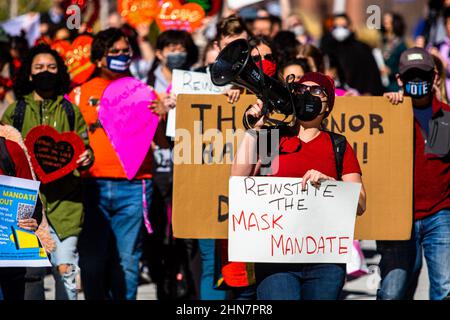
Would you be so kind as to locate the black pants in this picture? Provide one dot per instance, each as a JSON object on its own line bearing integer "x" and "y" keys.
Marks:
{"x": 12, "y": 283}
{"x": 34, "y": 283}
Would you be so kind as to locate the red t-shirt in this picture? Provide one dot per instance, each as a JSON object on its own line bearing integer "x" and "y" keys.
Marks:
{"x": 297, "y": 157}
{"x": 19, "y": 158}
{"x": 431, "y": 175}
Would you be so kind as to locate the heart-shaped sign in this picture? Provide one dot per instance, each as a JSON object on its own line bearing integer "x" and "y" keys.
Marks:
{"x": 128, "y": 122}
{"x": 136, "y": 12}
{"x": 78, "y": 59}
{"x": 173, "y": 15}
{"x": 53, "y": 154}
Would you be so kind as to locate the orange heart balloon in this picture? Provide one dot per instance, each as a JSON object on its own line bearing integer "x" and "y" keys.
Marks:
{"x": 78, "y": 59}
{"x": 173, "y": 15}
{"x": 136, "y": 12}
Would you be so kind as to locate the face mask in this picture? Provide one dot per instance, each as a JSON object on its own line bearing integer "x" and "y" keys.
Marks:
{"x": 118, "y": 64}
{"x": 176, "y": 60}
{"x": 308, "y": 106}
{"x": 340, "y": 33}
{"x": 45, "y": 81}
{"x": 268, "y": 67}
{"x": 298, "y": 30}
{"x": 417, "y": 89}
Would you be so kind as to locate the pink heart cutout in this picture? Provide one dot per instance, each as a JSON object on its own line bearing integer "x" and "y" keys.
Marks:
{"x": 128, "y": 122}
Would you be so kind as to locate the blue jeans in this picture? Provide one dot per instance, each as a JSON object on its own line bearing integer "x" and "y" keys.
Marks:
{"x": 110, "y": 243}
{"x": 65, "y": 254}
{"x": 207, "y": 291}
{"x": 401, "y": 261}
{"x": 310, "y": 282}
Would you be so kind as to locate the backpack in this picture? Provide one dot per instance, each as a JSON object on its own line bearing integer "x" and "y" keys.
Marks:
{"x": 339, "y": 145}
{"x": 19, "y": 114}
{"x": 6, "y": 163}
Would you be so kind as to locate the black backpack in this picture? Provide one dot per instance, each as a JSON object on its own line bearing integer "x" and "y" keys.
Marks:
{"x": 19, "y": 114}
{"x": 339, "y": 145}
{"x": 6, "y": 163}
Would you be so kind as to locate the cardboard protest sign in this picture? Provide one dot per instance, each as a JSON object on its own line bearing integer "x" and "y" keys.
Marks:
{"x": 19, "y": 247}
{"x": 274, "y": 220}
{"x": 190, "y": 82}
{"x": 128, "y": 122}
{"x": 53, "y": 154}
{"x": 381, "y": 135}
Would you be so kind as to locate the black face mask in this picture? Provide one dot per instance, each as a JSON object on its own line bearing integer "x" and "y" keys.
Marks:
{"x": 417, "y": 84}
{"x": 308, "y": 106}
{"x": 45, "y": 81}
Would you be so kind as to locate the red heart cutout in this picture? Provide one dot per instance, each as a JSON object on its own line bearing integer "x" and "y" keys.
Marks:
{"x": 53, "y": 154}
{"x": 78, "y": 59}
{"x": 173, "y": 15}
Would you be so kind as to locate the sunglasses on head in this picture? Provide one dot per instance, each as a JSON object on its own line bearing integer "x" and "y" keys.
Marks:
{"x": 267, "y": 56}
{"x": 314, "y": 90}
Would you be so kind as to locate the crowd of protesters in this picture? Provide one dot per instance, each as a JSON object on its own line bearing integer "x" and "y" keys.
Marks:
{"x": 93, "y": 222}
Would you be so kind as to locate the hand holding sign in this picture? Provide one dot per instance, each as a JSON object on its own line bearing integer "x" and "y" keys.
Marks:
{"x": 129, "y": 123}
{"x": 53, "y": 154}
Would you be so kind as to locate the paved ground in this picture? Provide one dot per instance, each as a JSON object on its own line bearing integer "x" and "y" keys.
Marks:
{"x": 363, "y": 288}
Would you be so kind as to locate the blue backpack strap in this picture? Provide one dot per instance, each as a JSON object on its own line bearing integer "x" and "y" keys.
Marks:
{"x": 6, "y": 163}
{"x": 339, "y": 145}
{"x": 19, "y": 114}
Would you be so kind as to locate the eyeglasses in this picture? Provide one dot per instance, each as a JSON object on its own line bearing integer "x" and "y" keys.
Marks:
{"x": 116, "y": 52}
{"x": 267, "y": 56}
{"x": 314, "y": 90}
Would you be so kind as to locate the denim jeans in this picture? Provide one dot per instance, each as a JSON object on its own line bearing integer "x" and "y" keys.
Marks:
{"x": 310, "y": 282}
{"x": 65, "y": 253}
{"x": 401, "y": 261}
{"x": 110, "y": 243}
{"x": 207, "y": 291}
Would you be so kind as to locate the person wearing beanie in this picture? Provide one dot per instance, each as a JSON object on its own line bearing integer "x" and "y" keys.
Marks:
{"x": 304, "y": 151}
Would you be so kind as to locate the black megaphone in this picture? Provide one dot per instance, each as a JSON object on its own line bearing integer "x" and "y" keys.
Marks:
{"x": 234, "y": 65}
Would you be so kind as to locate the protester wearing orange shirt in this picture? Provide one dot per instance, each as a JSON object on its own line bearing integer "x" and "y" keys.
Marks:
{"x": 110, "y": 243}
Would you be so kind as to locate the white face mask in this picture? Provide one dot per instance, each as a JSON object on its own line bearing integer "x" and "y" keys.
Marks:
{"x": 340, "y": 33}
{"x": 299, "y": 30}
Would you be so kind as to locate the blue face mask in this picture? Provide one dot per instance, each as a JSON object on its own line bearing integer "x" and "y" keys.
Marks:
{"x": 118, "y": 64}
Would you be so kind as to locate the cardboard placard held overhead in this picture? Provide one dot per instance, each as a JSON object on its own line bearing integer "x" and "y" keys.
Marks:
{"x": 381, "y": 135}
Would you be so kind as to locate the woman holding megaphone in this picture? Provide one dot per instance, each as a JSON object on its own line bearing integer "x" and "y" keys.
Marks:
{"x": 304, "y": 151}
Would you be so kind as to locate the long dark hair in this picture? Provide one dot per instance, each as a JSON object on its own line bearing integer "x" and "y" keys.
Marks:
{"x": 22, "y": 84}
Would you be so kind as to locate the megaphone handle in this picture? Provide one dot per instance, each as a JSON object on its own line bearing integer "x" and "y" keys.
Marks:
{"x": 249, "y": 121}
